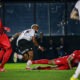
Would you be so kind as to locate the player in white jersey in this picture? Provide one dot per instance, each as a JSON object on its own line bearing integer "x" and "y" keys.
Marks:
{"x": 75, "y": 14}
{"x": 25, "y": 43}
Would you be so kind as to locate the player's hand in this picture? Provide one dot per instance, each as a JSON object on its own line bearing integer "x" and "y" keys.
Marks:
{"x": 41, "y": 48}
{"x": 11, "y": 39}
{"x": 7, "y": 29}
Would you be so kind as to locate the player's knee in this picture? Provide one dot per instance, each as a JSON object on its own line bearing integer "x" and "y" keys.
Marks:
{"x": 9, "y": 51}
{"x": 25, "y": 57}
{"x": 51, "y": 62}
{"x": 30, "y": 52}
{"x": 30, "y": 57}
{"x": 8, "y": 47}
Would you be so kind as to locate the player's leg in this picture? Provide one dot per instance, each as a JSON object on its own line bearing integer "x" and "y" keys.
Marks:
{"x": 77, "y": 73}
{"x": 8, "y": 50}
{"x": 30, "y": 54}
{"x": 45, "y": 68}
{"x": 46, "y": 61}
{"x": 62, "y": 67}
{"x": 57, "y": 61}
{"x": 2, "y": 53}
{"x": 23, "y": 56}
{"x": 22, "y": 53}
{"x": 42, "y": 61}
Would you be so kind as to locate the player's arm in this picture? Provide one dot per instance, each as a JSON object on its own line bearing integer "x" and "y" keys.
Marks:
{"x": 70, "y": 58}
{"x": 36, "y": 43}
{"x": 14, "y": 36}
{"x": 7, "y": 29}
{"x": 74, "y": 14}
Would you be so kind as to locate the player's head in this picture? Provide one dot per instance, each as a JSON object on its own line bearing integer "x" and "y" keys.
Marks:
{"x": 35, "y": 27}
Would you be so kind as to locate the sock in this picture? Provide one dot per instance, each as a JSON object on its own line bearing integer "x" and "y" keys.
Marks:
{"x": 42, "y": 61}
{"x": 6, "y": 57}
{"x": 77, "y": 72}
{"x": 2, "y": 53}
{"x": 28, "y": 66}
{"x": 20, "y": 56}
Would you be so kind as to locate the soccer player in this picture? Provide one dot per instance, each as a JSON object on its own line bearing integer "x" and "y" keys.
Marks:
{"x": 5, "y": 46}
{"x": 25, "y": 43}
{"x": 63, "y": 63}
{"x": 75, "y": 14}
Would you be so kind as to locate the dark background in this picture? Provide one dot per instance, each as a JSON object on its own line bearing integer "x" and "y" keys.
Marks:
{"x": 52, "y": 16}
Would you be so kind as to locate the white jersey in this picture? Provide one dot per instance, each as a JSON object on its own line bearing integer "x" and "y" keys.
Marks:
{"x": 77, "y": 6}
{"x": 27, "y": 35}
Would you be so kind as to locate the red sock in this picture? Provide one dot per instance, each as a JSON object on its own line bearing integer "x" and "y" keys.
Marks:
{"x": 42, "y": 61}
{"x": 1, "y": 53}
{"x": 6, "y": 57}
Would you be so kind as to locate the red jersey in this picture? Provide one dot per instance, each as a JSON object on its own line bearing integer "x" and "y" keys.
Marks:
{"x": 62, "y": 60}
{"x": 76, "y": 56}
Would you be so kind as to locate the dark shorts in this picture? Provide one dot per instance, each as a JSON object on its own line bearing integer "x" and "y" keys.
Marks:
{"x": 24, "y": 46}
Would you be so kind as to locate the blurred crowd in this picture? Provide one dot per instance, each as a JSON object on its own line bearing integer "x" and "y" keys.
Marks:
{"x": 53, "y": 49}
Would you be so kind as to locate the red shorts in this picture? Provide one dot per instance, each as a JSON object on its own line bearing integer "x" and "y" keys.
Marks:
{"x": 4, "y": 41}
{"x": 60, "y": 61}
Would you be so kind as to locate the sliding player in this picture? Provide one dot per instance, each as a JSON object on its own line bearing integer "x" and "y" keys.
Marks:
{"x": 63, "y": 63}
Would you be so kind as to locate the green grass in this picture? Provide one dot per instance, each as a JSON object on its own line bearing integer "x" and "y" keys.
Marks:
{"x": 17, "y": 71}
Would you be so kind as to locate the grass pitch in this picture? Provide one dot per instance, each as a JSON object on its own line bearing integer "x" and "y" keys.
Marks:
{"x": 17, "y": 71}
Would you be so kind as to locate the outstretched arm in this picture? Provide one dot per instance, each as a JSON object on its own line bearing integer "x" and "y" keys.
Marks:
{"x": 70, "y": 58}
{"x": 36, "y": 43}
{"x": 74, "y": 14}
{"x": 14, "y": 36}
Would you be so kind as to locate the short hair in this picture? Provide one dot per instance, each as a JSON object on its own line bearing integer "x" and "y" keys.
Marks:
{"x": 34, "y": 25}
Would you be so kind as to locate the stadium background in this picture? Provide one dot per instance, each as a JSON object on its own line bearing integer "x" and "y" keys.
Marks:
{"x": 53, "y": 17}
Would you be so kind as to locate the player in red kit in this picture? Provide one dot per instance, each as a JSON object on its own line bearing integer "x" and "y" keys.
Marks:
{"x": 63, "y": 63}
{"x": 5, "y": 46}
